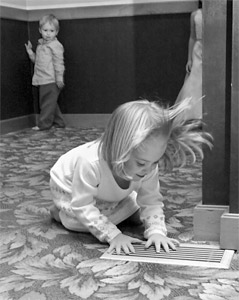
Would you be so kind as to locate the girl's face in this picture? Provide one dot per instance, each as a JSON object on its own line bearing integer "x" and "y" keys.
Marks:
{"x": 48, "y": 32}
{"x": 145, "y": 158}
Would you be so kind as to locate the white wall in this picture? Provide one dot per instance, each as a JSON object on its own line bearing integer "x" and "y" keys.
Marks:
{"x": 14, "y": 3}
{"x": 32, "y": 10}
{"x": 48, "y": 4}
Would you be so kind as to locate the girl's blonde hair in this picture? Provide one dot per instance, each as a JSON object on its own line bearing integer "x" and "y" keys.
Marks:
{"x": 51, "y": 19}
{"x": 132, "y": 123}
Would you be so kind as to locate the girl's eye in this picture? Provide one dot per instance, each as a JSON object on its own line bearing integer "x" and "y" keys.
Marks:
{"x": 140, "y": 164}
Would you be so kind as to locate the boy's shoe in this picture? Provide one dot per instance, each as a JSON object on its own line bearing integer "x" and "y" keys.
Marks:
{"x": 36, "y": 128}
{"x": 40, "y": 129}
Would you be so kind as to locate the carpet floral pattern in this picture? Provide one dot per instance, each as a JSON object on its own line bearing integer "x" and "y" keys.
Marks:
{"x": 41, "y": 260}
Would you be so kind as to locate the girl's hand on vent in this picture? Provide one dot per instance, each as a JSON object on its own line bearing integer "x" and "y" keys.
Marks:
{"x": 159, "y": 240}
{"x": 125, "y": 243}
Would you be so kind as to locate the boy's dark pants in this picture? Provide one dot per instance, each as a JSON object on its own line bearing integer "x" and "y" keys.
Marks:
{"x": 50, "y": 113}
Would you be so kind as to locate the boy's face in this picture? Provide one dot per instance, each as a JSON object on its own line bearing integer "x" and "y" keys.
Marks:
{"x": 48, "y": 32}
{"x": 144, "y": 159}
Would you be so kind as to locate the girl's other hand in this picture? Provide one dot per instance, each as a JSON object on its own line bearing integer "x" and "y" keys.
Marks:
{"x": 189, "y": 66}
{"x": 124, "y": 242}
{"x": 159, "y": 241}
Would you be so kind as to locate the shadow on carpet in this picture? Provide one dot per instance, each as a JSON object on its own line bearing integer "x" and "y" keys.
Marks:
{"x": 42, "y": 260}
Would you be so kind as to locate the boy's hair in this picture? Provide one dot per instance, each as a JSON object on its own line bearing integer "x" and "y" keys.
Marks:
{"x": 134, "y": 122}
{"x": 49, "y": 19}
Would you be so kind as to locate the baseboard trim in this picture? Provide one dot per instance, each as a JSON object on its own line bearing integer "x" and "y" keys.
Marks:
{"x": 207, "y": 220}
{"x": 72, "y": 120}
{"x": 229, "y": 231}
{"x": 16, "y": 124}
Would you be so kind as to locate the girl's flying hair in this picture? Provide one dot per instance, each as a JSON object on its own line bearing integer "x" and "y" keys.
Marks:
{"x": 134, "y": 122}
{"x": 185, "y": 141}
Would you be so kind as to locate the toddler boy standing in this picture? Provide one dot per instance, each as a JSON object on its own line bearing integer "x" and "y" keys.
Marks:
{"x": 48, "y": 72}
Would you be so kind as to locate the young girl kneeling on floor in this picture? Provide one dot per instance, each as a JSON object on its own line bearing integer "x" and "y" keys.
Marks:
{"x": 99, "y": 184}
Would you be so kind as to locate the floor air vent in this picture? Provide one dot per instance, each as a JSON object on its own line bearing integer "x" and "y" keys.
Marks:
{"x": 209, "y": 256}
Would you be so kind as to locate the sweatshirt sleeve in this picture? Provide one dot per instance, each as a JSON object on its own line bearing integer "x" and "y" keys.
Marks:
{"x": 58, "y": 60}
{"x": 86, "y": 179}
{"x": 151, "y": 202}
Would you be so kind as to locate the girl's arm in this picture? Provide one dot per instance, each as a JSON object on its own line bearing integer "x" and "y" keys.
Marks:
{"x": 151, "y": 202}
{"x": 152, "y": 215}
{"x": 84, "y": 190}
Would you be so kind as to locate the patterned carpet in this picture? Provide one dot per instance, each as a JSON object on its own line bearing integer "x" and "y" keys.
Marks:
{"x": 41, "y": 260}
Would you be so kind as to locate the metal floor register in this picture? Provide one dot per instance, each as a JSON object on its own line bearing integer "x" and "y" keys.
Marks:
{"x": 209, "y": 256}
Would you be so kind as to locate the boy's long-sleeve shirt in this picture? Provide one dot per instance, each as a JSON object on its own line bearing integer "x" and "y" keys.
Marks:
{"x": 49, "y": 62}
{"x": 88, "y": 181}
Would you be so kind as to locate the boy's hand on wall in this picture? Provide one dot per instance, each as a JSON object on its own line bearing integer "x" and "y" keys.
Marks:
{"x": 29, "y": 48}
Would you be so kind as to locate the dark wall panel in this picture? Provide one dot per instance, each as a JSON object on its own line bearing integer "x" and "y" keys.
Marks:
{"x": 161, "y": 44}
{"x": 108, "y": 61}
{"x": 16, "y": 99}
{"x": 113, "y": 60}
